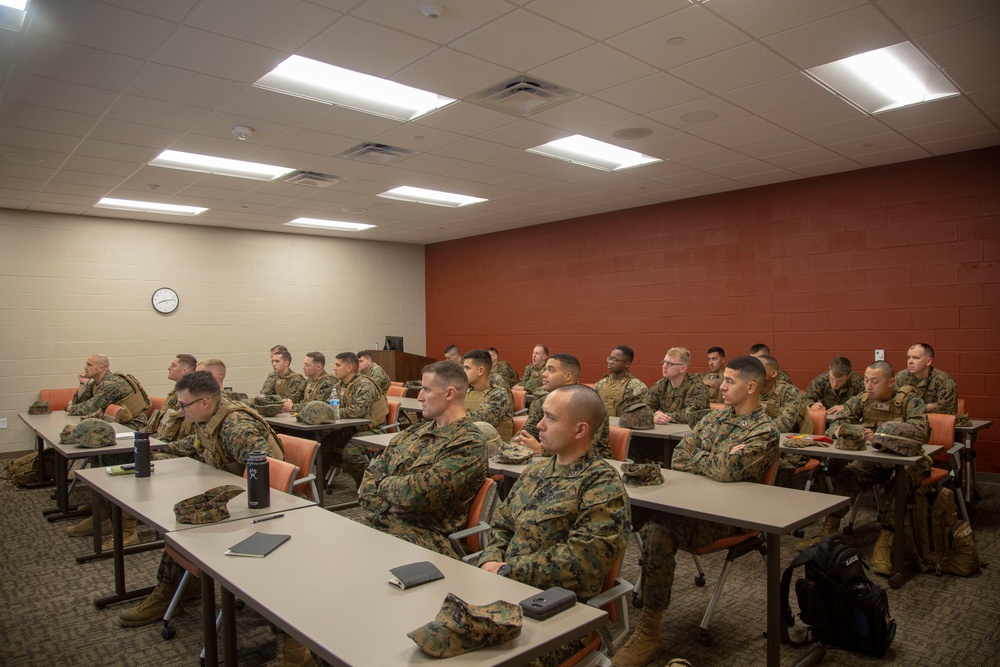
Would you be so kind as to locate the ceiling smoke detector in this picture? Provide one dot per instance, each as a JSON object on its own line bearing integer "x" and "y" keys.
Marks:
{"x": 432, "y": 11}
{"x": 241, "y": 132}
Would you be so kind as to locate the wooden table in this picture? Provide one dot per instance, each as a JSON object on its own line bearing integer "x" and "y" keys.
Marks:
{"x": 671, "y": 434}
{"x": 364, "y": 620}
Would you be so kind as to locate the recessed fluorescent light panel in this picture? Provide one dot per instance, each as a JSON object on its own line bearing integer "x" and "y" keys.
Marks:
{"x": 221, "y": 166}
{"x": 885, "y": 79}
{"x": 434, "y": 197}
{"x": 12, "y": 13}
{"x": 328, "y": 224}
{"x": 592, "y": 153}
{"x": 148, "y": 207}
{"x": 329, "y": 84}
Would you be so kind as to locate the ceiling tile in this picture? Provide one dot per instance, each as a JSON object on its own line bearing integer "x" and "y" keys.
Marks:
{"x": 405, "y": 135}
{"x": 523, "y": 134}
{"x": 175, "y": 10}
{"x": 218, "y": 55}
{"x": 963, "y": 43}
{"x": 593, "y": 68}
{"x": 279, "y": 24}
{"x": 122, "y": 132}
{"x": 723, "y": 110}
{"x": 766, "y": 17}
{"x": 797, "y": 159}
{"x": 452, "y": 74}
{"x": 975, "y": 74}
{"x": 828, "y": 167}
{"x": 746, "y": 64}
{"x": 44, "y": 119}
{"x": 77, "y": 64}
{"x": 33, "y": 140}
{"x": 459, "y": 18}
{"x": 180, "y": 86}
{"x": 958, "y": 127}
{"x": 350, "y": 123}
{"x": 100, "y": 26}
{"x": 847, "y": 130}
{"x": 856, "y": 30}
{"x": 157, "y": 113}
{"x": 813, "y": 114}
{"x": 778, "y": 93}
{"x": 709, "y": 160}
{"x": 521, "y": 41}
{"x": 727, "y": 134}
{"x": 878, "y": 143}
{"x": 365, "y": 47}
{"x": 116, "y": 151}
{"x": 592, "y": 18}
{"x": 901, "y": 154}
{"x": 475, "y": 150}
{"x": 782, "y": 143}
{"x": 948, "y": 108}
{"x": 269, "y": 105}
{"x": 921, "y": 17}
{"x": 581, "y": 115}
{"x": 987, "y": 99}
{"x": 966, "y": 143}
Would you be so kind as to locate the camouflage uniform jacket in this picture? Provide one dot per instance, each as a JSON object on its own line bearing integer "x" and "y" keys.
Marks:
{"x": 171, "y": 402}
{"x": 430, "y": 476}
{"x": 937, "y": 387}
{"x": 783, "y": 404}
{"x": 679, "y": 403}
{"x": 291, "y": 386}
{"x": 531, "y": 380}
{"x": 231, "y": 433}
{"x": 783, "y": 377}
{"x": 707, "y": 450}
{"x": 507, "y": 372}
{"x": 494, "y": 406}
{"x": 714, "y": 395}
{"x": 562, "y": 525}
{"x": 616, "y": 393}
{"x": 362, "y": 399}
{"x": 378, "y": 376}
{"x": 96, "y": 396}
{"x": 601, "y": 442}
{"x": 905, "y": 405}
{"x": 820, "y": 390}
{"x": 316, "y": 390}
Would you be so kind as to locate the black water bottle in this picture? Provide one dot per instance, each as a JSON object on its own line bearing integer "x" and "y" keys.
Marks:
{"x": 141, "y": 448}
{"x": 258, "y": 481}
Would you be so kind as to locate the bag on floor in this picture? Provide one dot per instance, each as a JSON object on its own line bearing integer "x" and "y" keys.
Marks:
{"x": 837, "y": 600}
{"x": 943, "y": 541}
{"x": 23, "y": 471}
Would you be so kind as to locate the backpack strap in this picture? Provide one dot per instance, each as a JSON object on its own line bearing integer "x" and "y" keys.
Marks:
{"x": 806, "y": 556}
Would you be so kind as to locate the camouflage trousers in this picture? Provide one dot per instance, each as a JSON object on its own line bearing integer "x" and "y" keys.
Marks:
{"x": 560, "y": 655}
{"x": 860, "y": 476}
{"x": 662, "y": 536}
{"x": 169, "y": 571}
{"x": 354, "y": 458}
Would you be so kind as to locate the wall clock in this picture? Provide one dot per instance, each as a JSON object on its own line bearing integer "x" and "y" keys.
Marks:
{"x": 165, "y": 300}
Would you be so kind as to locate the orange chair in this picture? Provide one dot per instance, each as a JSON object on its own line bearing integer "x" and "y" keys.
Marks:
{"x": 942, "y": 433}
{"x": 469, "y": 542}
{"x": 519, "y": 396}
{"x": 397, "y": 384}
{"x": 302, "y": 452}
{"x": 716, "y": 406}
{"x": 961, "y": 406}
{"x": 519, "y": 422}
{"x": 612, "y": 600}
{"x": 392, "y": 420}
{"x": 618, "y": 441}
{"x": 58, "y": 398}
{"x": 155, "y": 403}
{"x": 396, "y": 390}
{"x": 814, "y": 466}
{"x": 113, "y": 411}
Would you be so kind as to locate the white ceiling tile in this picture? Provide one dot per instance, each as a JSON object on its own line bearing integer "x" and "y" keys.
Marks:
{"x": 878, "y": 143}
{"x": 901, "y": 154}
{"x": 51, "y": 207}
{"x": 651, "y": 93}
{"x": 476, "y": 150}
{"x": 63, "y": 95}
{"x": 702, "y": 33}
{"x": 218, "y": 55}
{"x": 784, "y": 91}
{"x": 365, "y": 47}
{"x": 92, "y": 192}
{"x": 828, "y": 167}
{"x": 122, "y": 132}
{"x": 436, "y": 164}
{"x": 405, "y": 135}
{"x": 593, "y": 68}
{"x": 80, "y": 65}
{"x": 856, "y": 30}
{"x": 581, "y": 115}
{"x": 797, "y": 159}
{"x": 710, "y": 160}
{"x": 768, "y": 177}
{"x": 484, "y": 173}
{"x": 452, "y": 74}
{"x": 745, "y": 64}
{"x": 847, "y": 130}
{"x": 33, "y": 140}
{"x": 677, "y": 146}
{"x": 310, "y": 141}
{"x": 658, "y": 131}
{"x": 948, "y": 108}
{"x": 737, "y": 131}
{"x": 350, "y": 123}
{"x": 813, "y": 114}
{"x": 966, "y": 143}
{"x": 782, "y": 143}
{"x": 766, "y": 17}
{"x": 592, "y": 18}
{"x": 100, "y": 26}
{"x": 948, "y": 129}
{"x": 18, "y": 170}
{"x": 458, "y": 19}
{"x": 521, "y": 41}
{"x": 975, "y": 75}
{"x": 921, "y": 17}
{"x": 282, "y": 156}
{"x": 157, "y": 113}
{"x": 8, "y": 42}
{"x": 987, "y": 99}
{"x": 115, "y": 151}
{"x": 29, "y": 116}
{"x": 86, "y": 178}
{"x": 220, "y": 126}
{"x": 279, "y": 24}
{"x": 725, "y": 113}
{"x": 269, "y": 105}
{"x": 181, "y": 86}
{"x": 175, "y": 10}
{"x": 523, "y": 134}
{"x": 465, "y": 119}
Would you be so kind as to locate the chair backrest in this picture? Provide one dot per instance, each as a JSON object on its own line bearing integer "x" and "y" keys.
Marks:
{"x": 397, "y": 384}
{"x": 481, "y": 509}
{"x": 942, "y": 432}
{"x": 519, "y": 422}
{"x": 396, "y": 390}
{"x": 301, "y": 452}
{"x": 280, "y": 473}
{"x": 771, "y": 473}
{"x": 961, "y": 406}
{"x": 155, "y": 403}
{"x": 113, "y": 411}
{"x": 58, "y": 399}
{"x": 818, "y": 416}
{"x": 519, "y": 395}
{"x": 716, "y": 406}
{"x": 618, "y": 441}
{"x": 392, "y": 421}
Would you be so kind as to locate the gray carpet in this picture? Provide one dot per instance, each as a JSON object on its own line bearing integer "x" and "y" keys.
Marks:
{"x": 47, "y": 616}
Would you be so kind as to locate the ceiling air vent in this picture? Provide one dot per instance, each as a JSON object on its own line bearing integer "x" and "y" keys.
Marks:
{"x": 523, "y": 95}
{"x": 376, "y": 153}
{"x": 311, "y": 178}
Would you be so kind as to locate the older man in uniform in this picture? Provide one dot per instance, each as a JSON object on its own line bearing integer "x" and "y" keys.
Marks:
{"x": 560, "y": 370}
{"x": 452, "y": 354}
{"x": 566, "y": 520}
{"x": 485, "y": 401}
{"x": 319, "y": 383}
{"x": 619, "y": 388}
{"x": 531, "y": 380}
{"x": 282, "y": 381}
{"x": 503, "y": 369}
{"x": 830, "y": 390}
{"x": 736, "y": 444}
{"x": 99, "y": 388}
{"x": 713, "y": 378}
{"x": 881, "y": 402}
{"x": 370, "y": 369}
{"x": 360, "y": 398}
{"x": 935, "y": 387}
{"x": 226, "y": 433}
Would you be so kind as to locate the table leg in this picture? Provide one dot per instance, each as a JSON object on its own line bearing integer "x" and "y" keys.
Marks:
{"x": 208, "y": 620}
{"x": 62, "y": 510}
{"x": 899, "y": 542}
{"x": 773, "y": 600}
{"x": 120, "y": 594}
{"x": 229, "y": 656}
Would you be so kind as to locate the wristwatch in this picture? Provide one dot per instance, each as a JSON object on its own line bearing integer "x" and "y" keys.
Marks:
{"x": 504, "y": 570}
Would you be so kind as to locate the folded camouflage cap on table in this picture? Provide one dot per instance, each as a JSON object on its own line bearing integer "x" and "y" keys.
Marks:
{"x": 899, "y": 438}
{"x": 642, "y": 474}
{"x": 638, "y": 416}
{"x": 268, "y": 405}
{"x": 460, "y": 627}
{"x": 89, "y": 433}
{"x": 850, "y": 437}
{"x": 493, "y": 440}
{"x": 316, "y": 412}
{"x": 207, "y": 507}
{"x": 39, "y": 408}
{"x": 514, "y": 454}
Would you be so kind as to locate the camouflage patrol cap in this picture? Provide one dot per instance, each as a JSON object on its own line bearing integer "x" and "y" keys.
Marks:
{"x": 316, "y": 412}
{"x": 899, "y": 438}
{"x": 493, "y": 440}
{"x": 515, "y": 454}
{"x": 460, "y": 627}
{"x": 208, "y": 507}
{"x": 39, "y": 408}
{"x": 268, "y": 405}
{"x": 850, "y": 437}
{"x": 642, "y": 474}
{"x": 638, "y": 417}
{"x": 89, "y": 433}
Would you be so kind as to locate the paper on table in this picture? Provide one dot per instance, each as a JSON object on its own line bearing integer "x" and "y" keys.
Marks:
{"x": 128, "y": 434}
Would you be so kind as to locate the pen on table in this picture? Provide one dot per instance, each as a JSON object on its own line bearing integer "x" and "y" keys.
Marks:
{"x": 268, "y": 518}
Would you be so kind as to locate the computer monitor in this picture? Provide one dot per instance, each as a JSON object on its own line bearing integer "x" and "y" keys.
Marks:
{"x": 394, "y": 343}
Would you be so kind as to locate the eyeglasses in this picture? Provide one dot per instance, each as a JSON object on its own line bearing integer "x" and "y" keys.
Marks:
{"x": 613, "y": 360}
{"x": 670, "y": 364}
{"x": 185, "y": 406}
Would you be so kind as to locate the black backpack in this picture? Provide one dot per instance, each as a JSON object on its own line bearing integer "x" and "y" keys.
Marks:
{"x": 838, "y": 602}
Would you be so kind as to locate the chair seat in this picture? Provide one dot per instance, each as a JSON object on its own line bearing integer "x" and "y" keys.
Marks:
{"x": 808, "y": 466}
{"x": 724, "y": 543}
{"x": 937, "y": 474}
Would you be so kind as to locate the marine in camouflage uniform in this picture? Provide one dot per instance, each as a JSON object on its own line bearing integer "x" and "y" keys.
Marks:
{"x": 784, "y": 377}
{"x": 783, "y": 404}
{"x": 616, "y": 393}
{"x": 422, "y": 485}
{"x": 714, "y": 395}
{"x": 113, "y": 388}
{"x": 360, "y": 398}
{"x": 316, "y": 390}
{"x": 562, "y": 525}
{"x": 171, "y": 402}
{"x": 601, "y": 442}
{"x": 493, "y": 406}
{"x": 378, "y": 375}
{"x": 821, "y": 391}
{"x": 507, "y": 372}
{"x": 531, "y": 379}
{"x": 290, "y": 386}
{"x": 681, "y": 403}
{"x": 937, "y": 387}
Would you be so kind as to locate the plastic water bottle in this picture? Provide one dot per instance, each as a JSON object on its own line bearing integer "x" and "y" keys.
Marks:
{"x": 141, "y": 449}
{"x": 335, "y": 404}
{"x": 258, "y": 481}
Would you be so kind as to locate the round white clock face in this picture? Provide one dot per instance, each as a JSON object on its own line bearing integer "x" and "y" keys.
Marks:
{"x": 165, "y": 300}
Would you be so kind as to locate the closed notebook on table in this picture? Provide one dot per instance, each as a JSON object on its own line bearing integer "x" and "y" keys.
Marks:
{"x": 414, "y": 574}
{"x": 257, "y": 545}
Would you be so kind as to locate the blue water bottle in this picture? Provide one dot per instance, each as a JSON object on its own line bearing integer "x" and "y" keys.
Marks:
{"x": 335, "y": 404}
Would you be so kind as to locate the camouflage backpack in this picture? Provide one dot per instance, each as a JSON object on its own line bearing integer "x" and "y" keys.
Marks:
{"x": 24, "y": 470}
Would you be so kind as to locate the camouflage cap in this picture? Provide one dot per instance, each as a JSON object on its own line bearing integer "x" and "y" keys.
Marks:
{"x": 899, "y": 438}
{"x": 642, "y": 474}
{"x": 268, "y": 405}
{"x": 493, "y": 440}
{"x": 89, "y": 433}
{"x": 316, "y": 412}
{"x": 208, "y": 507}
{"x": 850, "y": 437}
{"x": 39, "y": 408}
{"x": 511, "y": 453}
{"x": 638, "y": 417}
{"x": 460, "y": 627}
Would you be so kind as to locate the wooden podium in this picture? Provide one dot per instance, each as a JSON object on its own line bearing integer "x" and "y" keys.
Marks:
{"x": 401, "y": 366}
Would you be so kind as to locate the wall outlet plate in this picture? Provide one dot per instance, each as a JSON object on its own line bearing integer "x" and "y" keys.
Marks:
{"x": 879, "y": 355}
{"x": 3, "y": 423}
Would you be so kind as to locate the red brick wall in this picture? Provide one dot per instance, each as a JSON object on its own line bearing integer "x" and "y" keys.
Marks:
{"x": 842, "y": 264}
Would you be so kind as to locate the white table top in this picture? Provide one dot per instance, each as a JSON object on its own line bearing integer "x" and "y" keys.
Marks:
{"x": 354, "y": 571}
{"x": 381, "y": 440}
{"x": 286, "y": 421}
{"x": 152, "y": 498}
{"x": 868, "y": 454}
{"x": 408, "y": 404}
{"x": 977, "y": 425}
{"x": 664, "y": 431}
{"x": 49, "y": 427}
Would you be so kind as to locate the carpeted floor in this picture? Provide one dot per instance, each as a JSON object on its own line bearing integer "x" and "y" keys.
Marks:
{"x": 47, "y": 616}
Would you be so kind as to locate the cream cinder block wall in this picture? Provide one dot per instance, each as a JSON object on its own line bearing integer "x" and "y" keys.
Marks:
{"x": 71, "y": 286}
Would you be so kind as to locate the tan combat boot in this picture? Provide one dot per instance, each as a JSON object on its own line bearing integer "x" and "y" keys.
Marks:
{"x": 86, "y": 527}
{"x": 291, "y": 653}
{"x": 129, "y": 535}
{"x": 645, "y": 643}
{"x": 882, "y": 555}
{"x": 830, "y": 526}
{"x": 150, "y": 609}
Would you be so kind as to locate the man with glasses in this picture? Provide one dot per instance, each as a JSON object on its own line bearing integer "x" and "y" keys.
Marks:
{"x": 225, "y": 435}
{"x": 619, "y": 387}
